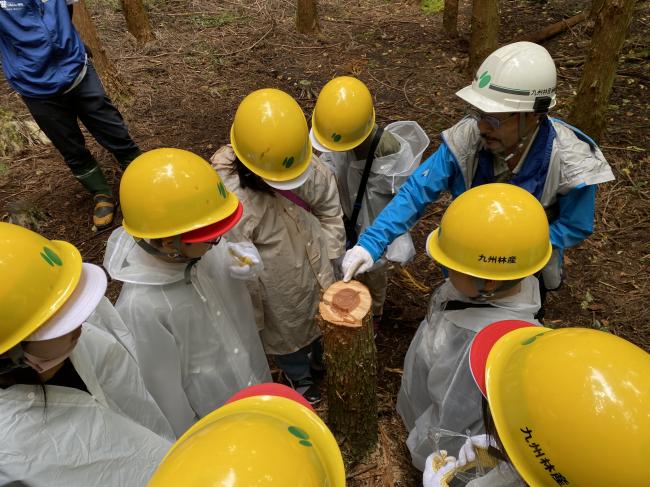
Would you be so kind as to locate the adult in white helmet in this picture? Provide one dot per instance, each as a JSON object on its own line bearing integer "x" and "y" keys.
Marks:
{"x": 508, "y": 137}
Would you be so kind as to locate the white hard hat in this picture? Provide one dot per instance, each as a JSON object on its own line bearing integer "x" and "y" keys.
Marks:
{"x": 519, "y": 77}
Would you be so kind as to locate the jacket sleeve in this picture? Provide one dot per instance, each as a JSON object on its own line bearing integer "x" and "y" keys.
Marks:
{"x": 163, "y": 378}
{"x": 439, "y": 172}
{"x": 326, "y": 206}
{"x": 576, "y": 220}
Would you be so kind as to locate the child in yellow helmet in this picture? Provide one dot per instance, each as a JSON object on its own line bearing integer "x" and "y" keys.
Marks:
{"x": 74, "y": 409}
{"x": 183, "y": 298}
{"x": 345, "y": 132}
{"x": 553, "y": 399}
{"x": 492, "y": 239}
{"x": 265, "y": 435}
{"x": 293, "y": 217}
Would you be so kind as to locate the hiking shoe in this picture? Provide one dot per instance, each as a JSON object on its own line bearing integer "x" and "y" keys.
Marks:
{"x": 104, "y": 210}
{"x": 306, "y": 388}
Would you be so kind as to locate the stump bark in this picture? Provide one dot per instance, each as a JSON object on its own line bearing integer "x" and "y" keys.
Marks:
{"x": 350, "y": 360}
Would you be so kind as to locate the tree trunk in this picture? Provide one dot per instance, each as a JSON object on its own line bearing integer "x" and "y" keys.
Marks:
{"x": 596, "y": 7}
{"x": 137, "y": 20}
{"x": 450, "y": 18}
{"x": 307, "y": 17}
{"x": 346, "y": 321}
{"x": 485, "y": 32}
{"x": 590, "y": 105}
{"x": 105, "y": 68}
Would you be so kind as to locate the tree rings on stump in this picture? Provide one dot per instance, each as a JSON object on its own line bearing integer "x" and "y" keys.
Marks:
{"x": 345, "y": 304}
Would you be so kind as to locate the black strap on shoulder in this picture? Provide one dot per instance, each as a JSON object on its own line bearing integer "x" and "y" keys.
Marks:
{"x": 454, "y": 305}
{"x": 364, "y": 177}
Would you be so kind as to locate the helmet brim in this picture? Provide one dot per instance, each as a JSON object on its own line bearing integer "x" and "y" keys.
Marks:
{"x": 292, "y": 183}
{"x": 270, "y": 389}
{"x": 315, "y": 143}
{"x": 340, "y": 146}
{"x": 214, "y": 230}
{"x": 483, "y": 343}
{"x": 78, "y": 307}
{"x": 483, "y": 103}
{"x": 438, "y": 254}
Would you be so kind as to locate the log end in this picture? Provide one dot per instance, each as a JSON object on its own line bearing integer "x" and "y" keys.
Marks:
{"x": 345, "y": 304}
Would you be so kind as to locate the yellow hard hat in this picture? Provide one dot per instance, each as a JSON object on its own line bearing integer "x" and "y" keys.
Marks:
{"x": 168, "y": 192}
{"x": 571, "y": 406}
{"x": 493, "y": 231}
{"x": 258, "y": 441}
{"x": 344, "y": 114}
{"x": 270, "y": 137}
{"x": 38, "y": 276}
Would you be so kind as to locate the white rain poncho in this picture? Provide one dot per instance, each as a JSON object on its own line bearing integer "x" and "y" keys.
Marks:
{"x": 113, "y": 436}
{"x": 439, "y": 401}
{"x": 197, "y": 343}
{"x": 503, "y": 475}
{"x": 387, "y": 175}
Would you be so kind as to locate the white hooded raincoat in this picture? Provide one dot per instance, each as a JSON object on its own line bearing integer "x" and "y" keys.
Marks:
{"x": 197, "y": 343}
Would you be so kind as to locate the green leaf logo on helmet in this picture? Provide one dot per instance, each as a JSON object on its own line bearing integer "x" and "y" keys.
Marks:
{"x": 222, "y": 190}
{"x": 530, "y": 340}
{"x": 288, "y": 162}
{"x": 301, "y": 434}
{"x": 484, "y": 80}
{"x": 336, "y": 137}
{"x": 51, "y": 257}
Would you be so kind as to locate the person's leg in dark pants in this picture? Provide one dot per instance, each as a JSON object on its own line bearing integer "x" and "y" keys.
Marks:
{"x": 295, "y": 368}
{"x": 57, "y": 118}
{"x": 102, "y": 119}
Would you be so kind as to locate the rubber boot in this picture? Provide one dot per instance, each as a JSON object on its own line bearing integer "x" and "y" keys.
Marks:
{"x": 104, "y": 210}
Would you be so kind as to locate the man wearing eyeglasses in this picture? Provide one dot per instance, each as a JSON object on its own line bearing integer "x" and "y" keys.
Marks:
{"x": 507, "y": 137}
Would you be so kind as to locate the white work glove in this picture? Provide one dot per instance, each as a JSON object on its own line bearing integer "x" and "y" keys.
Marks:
{"x": 357, "y": 260}
{"x": 246, "y": 261}
{"x": 436, "y": 469}
{"x": 467, "y": 453}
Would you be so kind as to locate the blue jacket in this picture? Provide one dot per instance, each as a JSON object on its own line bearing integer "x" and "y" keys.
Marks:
{"x": 42, "y": 53}
{"x": 543, "y": 174}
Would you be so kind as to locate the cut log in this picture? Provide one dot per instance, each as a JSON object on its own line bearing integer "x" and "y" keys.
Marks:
{"x": 554, "y": 29}
{"x": 350, "y": 360}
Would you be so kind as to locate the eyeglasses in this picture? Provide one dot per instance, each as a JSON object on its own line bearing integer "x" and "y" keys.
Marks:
{"x": 491, "y": 120}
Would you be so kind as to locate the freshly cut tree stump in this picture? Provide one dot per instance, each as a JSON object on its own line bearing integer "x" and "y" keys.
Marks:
{"x": 346, "y": 322}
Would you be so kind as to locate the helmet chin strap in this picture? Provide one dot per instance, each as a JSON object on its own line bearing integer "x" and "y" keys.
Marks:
{"x": 178, "y": 257}
{"x": 483, "y": 295}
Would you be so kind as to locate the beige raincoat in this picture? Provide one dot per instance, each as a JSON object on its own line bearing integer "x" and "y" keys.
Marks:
{"x": 296, "y": 248}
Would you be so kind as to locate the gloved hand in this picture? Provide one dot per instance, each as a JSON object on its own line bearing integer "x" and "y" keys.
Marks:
{"x": 246, "y": 261}
{"x": 438, "y": 469}
{"x": 357, "y": 260}
{"x": 467, "y": 453}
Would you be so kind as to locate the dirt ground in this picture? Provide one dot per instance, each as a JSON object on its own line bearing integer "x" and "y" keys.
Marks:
{"x": 208, "y": 55}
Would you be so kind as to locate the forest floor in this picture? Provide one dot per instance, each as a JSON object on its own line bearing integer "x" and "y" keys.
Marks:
{"x": 208, "y": 55}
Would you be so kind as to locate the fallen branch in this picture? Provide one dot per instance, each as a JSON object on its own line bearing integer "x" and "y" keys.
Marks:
{"x": 554, "y": 29}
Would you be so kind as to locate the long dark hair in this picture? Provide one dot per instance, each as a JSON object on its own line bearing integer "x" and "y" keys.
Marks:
{"x": 491, "y": 430}
{"x": 248, "y": 179}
